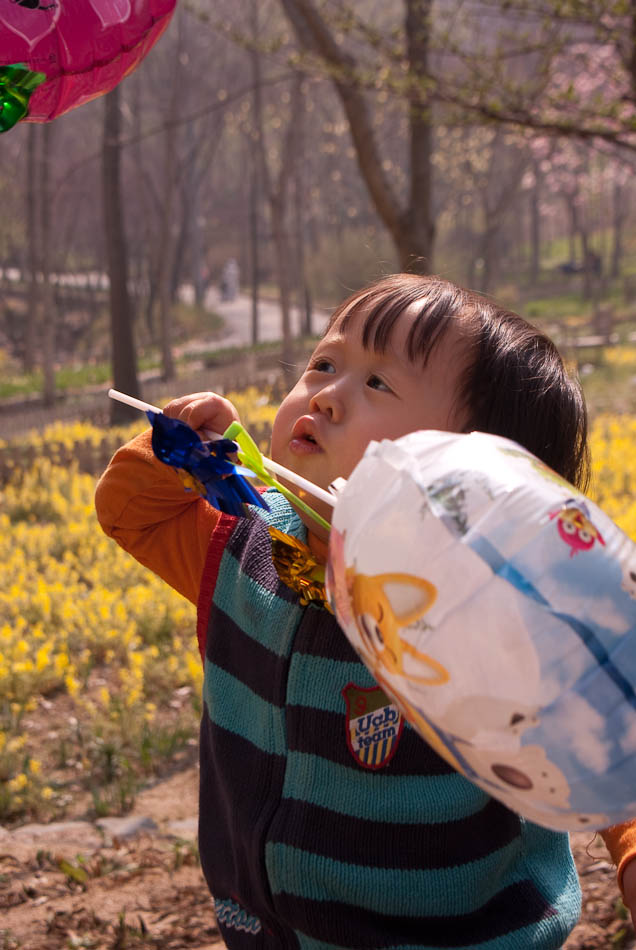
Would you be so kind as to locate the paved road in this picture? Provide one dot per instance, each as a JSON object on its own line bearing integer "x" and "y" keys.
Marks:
{"x": 237, "y": 314}
{"x": 237, "y": 332}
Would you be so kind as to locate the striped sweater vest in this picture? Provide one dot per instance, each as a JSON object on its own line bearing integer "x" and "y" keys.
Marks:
{"x": 325, "y": 821}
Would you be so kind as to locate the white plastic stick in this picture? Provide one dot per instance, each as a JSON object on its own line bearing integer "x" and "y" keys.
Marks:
{"x": 278, "y": 469}
{"x": 131, "y": 401}
{"x": 268, "y": 463}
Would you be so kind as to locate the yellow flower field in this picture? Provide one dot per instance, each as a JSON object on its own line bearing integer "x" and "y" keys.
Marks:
{"x": 81, "y": 621}
{"x": 99, "y": 668}
{"x": 613, "y": 445}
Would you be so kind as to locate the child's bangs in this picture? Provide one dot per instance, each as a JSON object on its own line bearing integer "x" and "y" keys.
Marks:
{"x": 381, "y": 316}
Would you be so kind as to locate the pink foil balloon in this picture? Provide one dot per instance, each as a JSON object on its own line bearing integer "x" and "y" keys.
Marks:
{"x": 81, "y": 48}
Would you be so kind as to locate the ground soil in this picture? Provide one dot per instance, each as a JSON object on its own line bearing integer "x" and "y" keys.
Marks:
{"x": 148, "y": 891}
{"x": 141, "y": 892}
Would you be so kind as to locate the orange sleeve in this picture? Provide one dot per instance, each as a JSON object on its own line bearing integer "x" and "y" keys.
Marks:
{"x": 143, "y": 505}
{"x": 620, "y": 841}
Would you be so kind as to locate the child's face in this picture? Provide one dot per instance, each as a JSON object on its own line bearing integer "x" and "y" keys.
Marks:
{"x": 349, "y": 395}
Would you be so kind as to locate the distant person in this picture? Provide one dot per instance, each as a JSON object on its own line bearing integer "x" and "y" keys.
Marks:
{"x": 303, "y": 842}
{"x": 230, "y": 280}
{"x": 593, "y": 263}
{"x": 570, "y": 267}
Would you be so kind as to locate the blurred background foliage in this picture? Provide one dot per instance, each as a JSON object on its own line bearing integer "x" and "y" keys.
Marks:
{"x": 321, "y": 144}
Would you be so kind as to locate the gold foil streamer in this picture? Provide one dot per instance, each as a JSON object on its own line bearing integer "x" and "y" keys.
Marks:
{"x": 299, "y": 568}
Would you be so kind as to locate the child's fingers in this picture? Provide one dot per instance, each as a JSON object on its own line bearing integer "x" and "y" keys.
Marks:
{"x": 203, "y": 411}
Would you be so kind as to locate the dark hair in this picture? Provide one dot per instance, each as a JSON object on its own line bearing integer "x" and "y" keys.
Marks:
{"x": 514, "y": 384}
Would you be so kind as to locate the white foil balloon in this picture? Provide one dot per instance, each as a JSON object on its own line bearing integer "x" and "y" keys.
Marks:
{"x": 495, "y": 603}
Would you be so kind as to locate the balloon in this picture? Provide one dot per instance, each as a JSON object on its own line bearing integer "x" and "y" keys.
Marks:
{"x": 497, "y": 605}
{"x": 58, "y": 54}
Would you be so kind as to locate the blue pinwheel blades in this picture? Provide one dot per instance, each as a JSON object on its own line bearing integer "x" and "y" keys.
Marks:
{"x": 208, "y": 465}
{"x": 173, "y": 442}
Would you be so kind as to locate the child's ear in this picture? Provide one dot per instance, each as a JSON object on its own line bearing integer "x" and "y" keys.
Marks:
{"x": 408, "y": 597}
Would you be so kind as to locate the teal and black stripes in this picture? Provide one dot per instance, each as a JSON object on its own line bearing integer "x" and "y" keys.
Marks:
{"x": 414, "y": 892}
{"x": 325, "y": 853}
{"x": 264, "y": 727}
{"x": 376, "y": 797}
{"x": 312, "y": 680}
{"x": 301, "y": 826}
{"x": 246, "y": 666}
{"x": 246, "y": 603}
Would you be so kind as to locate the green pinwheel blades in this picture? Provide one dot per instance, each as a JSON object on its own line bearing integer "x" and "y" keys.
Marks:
{"x": 249, "y": 455}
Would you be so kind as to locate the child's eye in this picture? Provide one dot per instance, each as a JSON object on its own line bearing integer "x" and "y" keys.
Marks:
{"x": 323, "y": 366}
{"x": 374, "y": 382}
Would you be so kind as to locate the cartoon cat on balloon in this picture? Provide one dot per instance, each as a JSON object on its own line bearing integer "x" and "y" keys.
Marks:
{"x": 489, "y": 713}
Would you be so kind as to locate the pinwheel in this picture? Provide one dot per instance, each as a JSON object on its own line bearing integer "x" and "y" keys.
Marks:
{"x": 497, "y": 606}
{"x": 207, "y": 467}
{"x": 58, "y": 54}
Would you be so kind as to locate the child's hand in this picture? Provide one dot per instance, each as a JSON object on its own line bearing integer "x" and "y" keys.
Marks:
{"x": 203, "y": 411}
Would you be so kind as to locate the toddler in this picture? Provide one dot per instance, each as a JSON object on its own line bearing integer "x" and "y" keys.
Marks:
{"x": 302, "y": 843}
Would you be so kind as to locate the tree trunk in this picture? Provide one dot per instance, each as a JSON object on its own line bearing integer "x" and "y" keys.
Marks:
{"x": 303, "y": 292}
{"x": 47, "y": 310}
{"x": 620, "y": 213}
{"x": 187, "y": 239}
{"x": 411, "y": 227}
{"x": 29, "y": 357}
{"x": 181, "y": 244}
{"x": 193, "y": 221}
{"x": 166, "y": 231}
{"x": 416, "y": 244}
{"x": 535, "y": 229}
{"x": 254, "y": 252}
{"x": 278, "y": 194}
{"x": 497, "y": 194}
{"x": 165, "y": 256}
{"x": 124, "y": 357}
{"x": 256, "y": 157}
{"x": 146, "y": 293}
{"x": 632, "y": 48}
{"x": 489, "y": 258}
{"x": 277, "y": 206}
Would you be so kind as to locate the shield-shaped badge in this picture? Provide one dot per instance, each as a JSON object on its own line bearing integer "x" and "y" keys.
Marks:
{"x": 374, "y": 725}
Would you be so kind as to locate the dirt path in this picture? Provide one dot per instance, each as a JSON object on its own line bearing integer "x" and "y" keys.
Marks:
{"x": 134, "y": 883}
{"x": 604, "y": 923}
{"x": 82, "y": 889}
{"x": 79, "y": 888}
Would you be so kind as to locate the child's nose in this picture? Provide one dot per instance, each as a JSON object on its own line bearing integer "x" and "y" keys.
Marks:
{"x": 329, "y": 402}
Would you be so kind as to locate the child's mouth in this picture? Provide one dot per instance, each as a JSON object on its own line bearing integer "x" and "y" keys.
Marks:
{"x": 302, "y": 440}
{"x": 304, "y": 445}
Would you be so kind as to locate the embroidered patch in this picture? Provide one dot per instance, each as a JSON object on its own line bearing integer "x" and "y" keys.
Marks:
{"x": 236, "y": 917}
{"x": 374, "y": 725}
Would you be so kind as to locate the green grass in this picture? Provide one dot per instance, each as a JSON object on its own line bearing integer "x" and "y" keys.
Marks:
{"x": 23, "y": 385}
{"x": 230, "y": 354}
{"x": 189, "y": 321}
{"x": 70, "y": 378}
{"x": 559, "y": 307}
{"x": 66, "y": 378}
{"x": 557, "y": 250}
{"x": 607, "y": 388}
